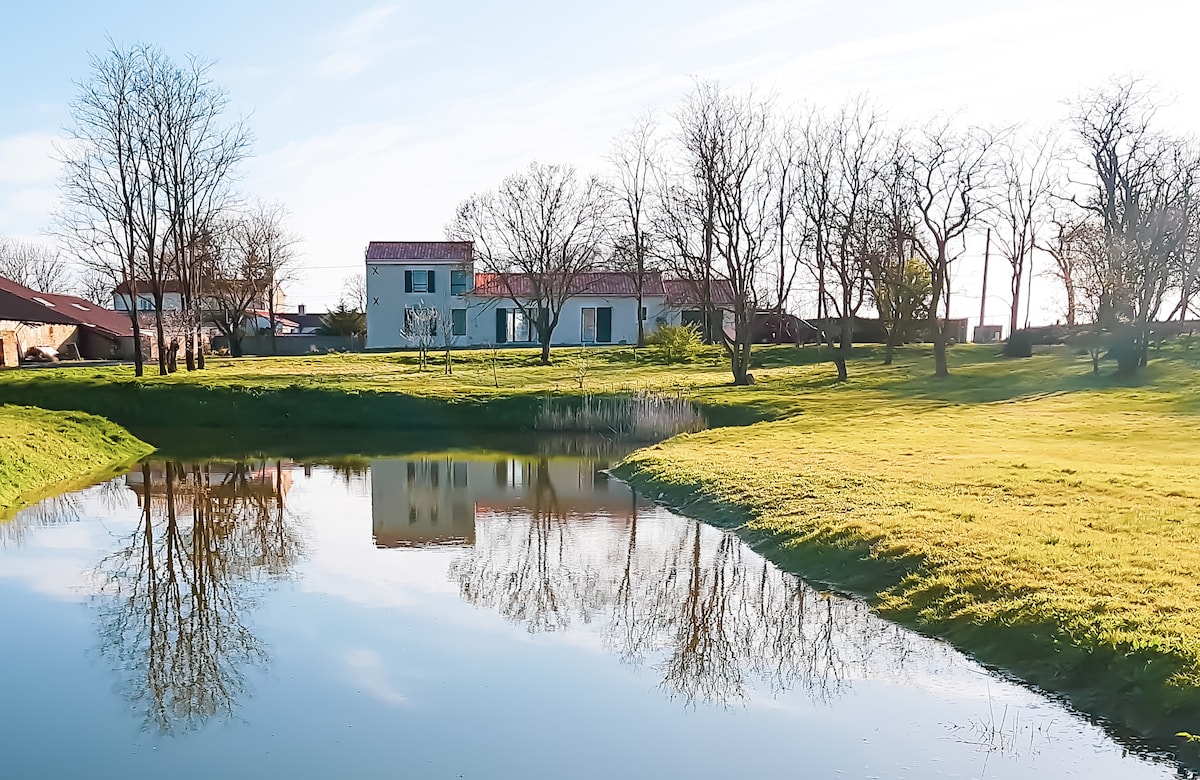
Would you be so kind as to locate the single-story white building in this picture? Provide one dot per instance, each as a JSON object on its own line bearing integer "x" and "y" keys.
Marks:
{"x": 492, "y": 309}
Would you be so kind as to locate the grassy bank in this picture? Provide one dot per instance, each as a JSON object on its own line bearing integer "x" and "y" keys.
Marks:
{"x": 1042, "y": 518}
{"x": 43, "y": 452}
{"x": 365, "y": 392}
{"x": 1045, "y": 520}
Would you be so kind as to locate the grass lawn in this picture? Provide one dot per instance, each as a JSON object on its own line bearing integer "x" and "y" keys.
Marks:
{"x": 1043, "y": 518}
{"x": 41, "y": 451}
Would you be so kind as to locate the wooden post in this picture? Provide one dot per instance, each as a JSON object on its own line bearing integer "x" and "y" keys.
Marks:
{"x": 987, "y": 250}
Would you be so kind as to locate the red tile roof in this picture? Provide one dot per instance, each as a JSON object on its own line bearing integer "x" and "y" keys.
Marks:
{"x": 18, "y": 302}
{"x": 608, "y": 284}
{"x": 421, "y": 250}
{"x": 685, "y": 292}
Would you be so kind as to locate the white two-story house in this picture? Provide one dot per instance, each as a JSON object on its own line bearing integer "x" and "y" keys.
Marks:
{"x": 493, "y": 309}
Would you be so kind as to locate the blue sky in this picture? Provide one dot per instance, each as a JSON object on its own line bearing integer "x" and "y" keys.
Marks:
{"x": 373, "y": 119}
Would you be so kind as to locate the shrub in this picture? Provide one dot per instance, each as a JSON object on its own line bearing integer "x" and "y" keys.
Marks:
{"x": 1019, "y": 344}
{"x": 675, "y": 343}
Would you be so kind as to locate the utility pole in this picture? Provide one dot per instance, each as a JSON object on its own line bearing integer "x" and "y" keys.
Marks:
{"x": 987, "y": 250}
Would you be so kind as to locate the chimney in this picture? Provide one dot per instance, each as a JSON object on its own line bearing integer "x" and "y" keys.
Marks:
{"x": 300, "y": 310}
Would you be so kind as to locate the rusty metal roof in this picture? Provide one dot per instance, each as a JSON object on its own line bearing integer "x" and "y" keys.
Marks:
{"x": 461, "y": 251}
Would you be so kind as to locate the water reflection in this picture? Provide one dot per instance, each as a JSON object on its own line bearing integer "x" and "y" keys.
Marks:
{"x": 177, "y": 592}
{"x": 555, "y": 541}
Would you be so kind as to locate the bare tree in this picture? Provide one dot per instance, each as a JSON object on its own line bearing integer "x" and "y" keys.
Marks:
{"x": 421, "y": 330}
{"x": 197, "y": 154}
{"x": 899, "y": 288}
{"x": 952, "y": 171}
{"x": 354, "y": 291}
{"x": 841, "y": 165}
{"x": 725, "y": 141}
{"x": 34, "y": 265}
{"x": 235, "y": 276}
{"x": 791, "y": 239}
{"x": 1029, "y": 172}
{"x": 539, "y": 234}
{"x": 633, "y": 157}
{"x": 103, "y": 180}
{"x": 1075, "y": 243}
{"x": 276, "y": 254}
{"x": 1144, "y": 196}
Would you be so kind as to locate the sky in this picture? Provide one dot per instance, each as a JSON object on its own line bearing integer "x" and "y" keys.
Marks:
{"x": 373, "y": 120}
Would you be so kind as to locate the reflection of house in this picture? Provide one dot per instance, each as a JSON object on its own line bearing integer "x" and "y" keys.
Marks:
{"x": 268, "y": 481}
{"x": 488, "y": 308}
{"x": 436, "y": 500}
{"x": 29, "y": 318}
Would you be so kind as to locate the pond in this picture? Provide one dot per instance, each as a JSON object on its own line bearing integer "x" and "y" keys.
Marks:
{"x": 477, "y": 614}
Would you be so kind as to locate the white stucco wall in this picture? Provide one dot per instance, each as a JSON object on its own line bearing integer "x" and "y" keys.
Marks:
{"x": 386, "y": 301}
{"x": 569, "y": 331}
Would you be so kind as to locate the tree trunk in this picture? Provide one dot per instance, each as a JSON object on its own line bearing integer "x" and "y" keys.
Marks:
{"x": 545, "y": 350}
{"x": 235, "y": 345}
{"x": 159, "y": 331}
{"x": 939, "y": 354}
{"x": 641, "y": 337}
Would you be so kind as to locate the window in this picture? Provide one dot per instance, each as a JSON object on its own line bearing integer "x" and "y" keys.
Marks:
{"x": 588, "y": 330}
{"x": 458, "y": 322}
{"x": 458, "y": 282}
{"x": 643, "y": 314}
{"x": 419, "y": 282}
{"x": 511, "y": 326}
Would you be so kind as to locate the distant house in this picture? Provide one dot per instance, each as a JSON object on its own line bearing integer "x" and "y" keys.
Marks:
{"x": 172, "y": 294}
{"x": 491, "y": 309}
{"x": 71, "y": 326}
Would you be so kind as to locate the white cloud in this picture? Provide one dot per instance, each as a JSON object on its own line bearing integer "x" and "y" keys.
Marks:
{"x": 361, "y": 42}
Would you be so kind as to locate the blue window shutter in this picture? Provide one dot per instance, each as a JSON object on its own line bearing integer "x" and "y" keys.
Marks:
{"x": 408, "y": 281}
{"x": 432, "y": 276}
{"x": 501, "y": 325}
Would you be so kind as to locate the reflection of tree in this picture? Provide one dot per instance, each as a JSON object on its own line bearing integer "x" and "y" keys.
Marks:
{"x": 54, "y": 511}
{"x": 179, "y": 592}
{"x": 718, "y": 619}
{"x": 534, "y": 585}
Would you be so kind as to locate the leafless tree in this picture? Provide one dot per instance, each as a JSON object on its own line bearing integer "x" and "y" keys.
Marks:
{"x": 97, "y": 287}
{"x": 899, "y": 290}
{"x": 104, "y": 172}
{"x": 196, "y": 159}
{"x": 952, "y": 172}
{"x": 633, "y": 157}
{"x": 841, "y": 164}
{"x": 147, "y": 166}
{"x": 234, "y": 276}
{"x": 1143, "y": 192}
{"x": 539, "y": 234}
{"x": 1029, "y": 173}
{"x": 275, "y": 246}
{"x": 1074, "y": 241}
{"x": 34, "y": 265}
{"x": 725, "y": 143}
{"x": 791, "y": 236}
{"x": 421, "y": 330}
{"x": 354, "y": 291}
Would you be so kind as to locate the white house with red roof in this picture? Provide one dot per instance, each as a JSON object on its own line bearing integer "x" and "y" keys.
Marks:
{"x": 491, "y": 309}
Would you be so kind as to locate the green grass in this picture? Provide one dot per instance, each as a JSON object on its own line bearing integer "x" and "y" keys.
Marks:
{"x": 1044, "y": 519}
{"x": 43, "y": 451}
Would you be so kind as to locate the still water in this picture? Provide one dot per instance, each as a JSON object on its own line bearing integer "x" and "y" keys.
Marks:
{"x": 467, "y": 615}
